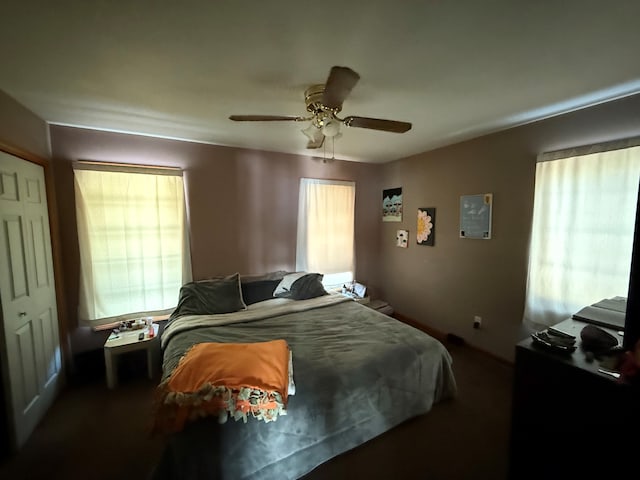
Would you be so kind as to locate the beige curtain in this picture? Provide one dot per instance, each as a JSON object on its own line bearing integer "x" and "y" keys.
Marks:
{"x": 134, "y": 249}
{"x": 582, "y": 232}
{"x": 326, "y": 216}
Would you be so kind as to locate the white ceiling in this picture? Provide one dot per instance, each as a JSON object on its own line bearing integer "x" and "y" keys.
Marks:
{"x": 455, "y": 69}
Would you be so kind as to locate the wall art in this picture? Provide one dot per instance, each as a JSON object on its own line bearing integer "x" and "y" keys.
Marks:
{"x": 392, "y": 205}
{"x": 402, "y": 238}
{"x": 426, "y": 230}
{"x": 475, "y": 216}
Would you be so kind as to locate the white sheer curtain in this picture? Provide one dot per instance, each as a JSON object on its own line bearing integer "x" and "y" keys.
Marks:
{"x": 582, "y": 232}
{"x": 326, "y": 216}
{"x": 134, "y": 250}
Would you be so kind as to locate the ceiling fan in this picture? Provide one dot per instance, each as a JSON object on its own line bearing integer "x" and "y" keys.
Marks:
{"x": 324, "y": 102}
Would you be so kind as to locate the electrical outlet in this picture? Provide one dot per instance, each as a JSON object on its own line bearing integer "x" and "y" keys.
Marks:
{"x": 477, "y": 321}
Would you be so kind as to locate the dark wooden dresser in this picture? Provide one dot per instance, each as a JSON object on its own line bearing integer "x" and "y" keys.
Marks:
{"x": 569, "y": 420}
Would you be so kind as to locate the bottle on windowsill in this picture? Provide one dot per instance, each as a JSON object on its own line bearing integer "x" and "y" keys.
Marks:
{"x": 150, "y": 329}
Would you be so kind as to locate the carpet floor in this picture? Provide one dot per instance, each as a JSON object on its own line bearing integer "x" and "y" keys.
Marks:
{"x": 95, "y": 433}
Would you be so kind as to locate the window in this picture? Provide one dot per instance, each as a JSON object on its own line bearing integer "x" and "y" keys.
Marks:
{"x": 134, "y": 253}
{"x": 582, "y": 232}
{"x": 325, "y": 244}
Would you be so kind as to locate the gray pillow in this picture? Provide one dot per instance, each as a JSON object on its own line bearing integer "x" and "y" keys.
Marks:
{"x": 300, "y": 286}
{"x": 259, "y": 277}
{"x": 258, "y": 290}
{"x": 207, "y": 297}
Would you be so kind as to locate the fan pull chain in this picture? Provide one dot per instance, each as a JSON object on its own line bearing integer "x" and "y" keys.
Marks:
{"x": 333, "y": 148}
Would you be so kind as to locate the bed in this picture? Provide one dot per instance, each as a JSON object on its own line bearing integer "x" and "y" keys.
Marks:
{"x": 357, "y": 373}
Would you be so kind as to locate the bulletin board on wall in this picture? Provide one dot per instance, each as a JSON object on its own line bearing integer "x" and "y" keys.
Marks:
{"x": 475, "y": 216}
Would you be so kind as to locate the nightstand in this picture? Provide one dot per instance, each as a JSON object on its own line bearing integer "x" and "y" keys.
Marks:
{"x": 125, "y": 342}
{"x": 381, "y": 306}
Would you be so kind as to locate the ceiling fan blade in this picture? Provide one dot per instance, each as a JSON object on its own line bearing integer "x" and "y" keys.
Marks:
{"x": 264, "y": 118}
{"x": 339, "y": 84}
{"x": 378, "y": 124}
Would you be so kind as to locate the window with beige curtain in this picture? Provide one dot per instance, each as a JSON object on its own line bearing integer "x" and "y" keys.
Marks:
{"x": 582, "y": 232}
{"x": 134, "y": 252}
{"x": 326, "y": 217}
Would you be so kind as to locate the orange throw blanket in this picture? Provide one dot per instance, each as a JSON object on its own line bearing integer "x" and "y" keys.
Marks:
{"x": 239, "y": 379}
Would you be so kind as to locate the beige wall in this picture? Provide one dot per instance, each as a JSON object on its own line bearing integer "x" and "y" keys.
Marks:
{"x": 22, "y": 129}
{"x": 242, "y": 204}
{"x": 24, "y": 134}
{"x": 446, "y": 285}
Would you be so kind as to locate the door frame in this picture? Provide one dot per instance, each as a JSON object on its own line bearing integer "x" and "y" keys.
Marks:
{"x": 56, "y": 250}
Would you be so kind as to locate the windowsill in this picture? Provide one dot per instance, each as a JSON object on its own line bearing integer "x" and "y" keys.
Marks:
{"x": 112, "y": 325}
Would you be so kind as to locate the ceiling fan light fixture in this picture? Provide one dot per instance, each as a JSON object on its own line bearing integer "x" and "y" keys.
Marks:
{"x": 324, "y": 102}
{"x": 331, "y": 128}
{"x": 311, "y": 131}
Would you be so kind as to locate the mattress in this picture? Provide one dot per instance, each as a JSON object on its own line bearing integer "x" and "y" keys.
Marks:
{"x": 358, "y": 373}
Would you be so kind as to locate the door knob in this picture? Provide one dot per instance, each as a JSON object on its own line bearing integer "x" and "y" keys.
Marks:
{"x": 22, "y": 314}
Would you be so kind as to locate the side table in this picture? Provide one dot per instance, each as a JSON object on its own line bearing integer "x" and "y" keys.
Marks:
{"x": 125, "y": 342}
{"x": 381, "y": 306}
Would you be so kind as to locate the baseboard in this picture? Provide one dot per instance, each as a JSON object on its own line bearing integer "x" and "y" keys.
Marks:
{"x": 448, "y": 337}
{"x": 421, "y": 326}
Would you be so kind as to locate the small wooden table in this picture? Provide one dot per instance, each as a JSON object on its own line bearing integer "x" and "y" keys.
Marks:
{"x": 125, "y": 342}
{"x": 381, "y": 306}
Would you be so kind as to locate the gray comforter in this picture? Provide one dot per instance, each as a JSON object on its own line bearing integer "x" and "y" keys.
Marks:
{"x": 357, "y": 373}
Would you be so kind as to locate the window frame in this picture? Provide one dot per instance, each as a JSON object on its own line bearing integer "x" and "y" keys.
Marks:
{"x": 552, "y": 295}
{"x": 331, "y": 278}
{"x": 87, "y": 289}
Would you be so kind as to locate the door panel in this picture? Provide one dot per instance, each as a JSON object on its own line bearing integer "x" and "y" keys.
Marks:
{"x": 50, "y": 365}
{"x": 29, "y": 346}
{"x": 25, "y": 341}
{"x": 9, "y": 186}
{"x": 17, "y": 261}
{"x": 39, "y": 251}
{"x": 34, "y": 190}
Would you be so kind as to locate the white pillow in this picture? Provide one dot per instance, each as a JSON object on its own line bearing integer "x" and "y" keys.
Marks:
{"x": 286, "y": 282}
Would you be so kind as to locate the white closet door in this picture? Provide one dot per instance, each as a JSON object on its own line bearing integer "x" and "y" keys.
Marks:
{"x": 31, "y": 347}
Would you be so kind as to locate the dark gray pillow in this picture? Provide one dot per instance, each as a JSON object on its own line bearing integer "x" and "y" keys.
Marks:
{"x": 308, "y": 285}
{"x": 207, "y": 297}
{"x": 258, "y": 277}
{"x": 258, "y": 290}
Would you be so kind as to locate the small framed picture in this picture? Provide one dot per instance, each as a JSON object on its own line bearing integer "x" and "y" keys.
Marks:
{"x": 402, "y": 238}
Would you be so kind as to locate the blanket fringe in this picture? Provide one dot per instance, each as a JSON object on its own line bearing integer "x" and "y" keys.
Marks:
{"x": 174, "y": 409}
